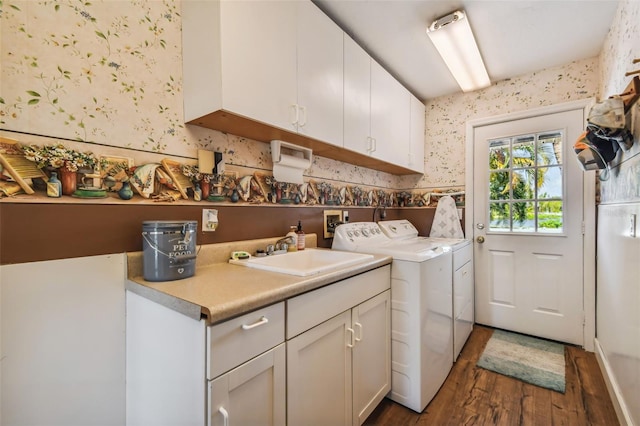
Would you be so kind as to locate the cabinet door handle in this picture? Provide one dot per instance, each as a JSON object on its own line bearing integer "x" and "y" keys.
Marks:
{"x": 351, "y": 332}
{"x": 359, "y": 336}
{"x": 263, "y": 320}
{"x": 374, "y": 145}
{"x": 225, "y": 416}
{"x": 304, "y": 116}
{"x": 294, "y": 114}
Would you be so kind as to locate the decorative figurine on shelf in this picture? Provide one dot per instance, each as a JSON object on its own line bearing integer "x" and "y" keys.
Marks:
{"x": 199, "y": 179}
{"x": 54, "y": 187}
{"x": 234, "y": 196}
{"x": 197, "y": 192}
{"x": 217, "y": 184}
{"x": 125, "y": 193}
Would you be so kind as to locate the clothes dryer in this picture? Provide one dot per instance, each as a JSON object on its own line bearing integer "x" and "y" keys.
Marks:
{"x": 462, "y": 267}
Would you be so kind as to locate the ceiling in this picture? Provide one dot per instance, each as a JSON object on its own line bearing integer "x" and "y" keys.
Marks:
{"x": 515, "y": 37}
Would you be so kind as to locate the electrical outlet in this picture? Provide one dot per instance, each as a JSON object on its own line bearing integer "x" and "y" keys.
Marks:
{"x": 209, "y": 220}
{"x": 332, "y": 218}
{"x": 345, "y": 216}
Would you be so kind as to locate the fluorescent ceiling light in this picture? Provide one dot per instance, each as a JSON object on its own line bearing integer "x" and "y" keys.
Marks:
{"x": 454, "y": 40}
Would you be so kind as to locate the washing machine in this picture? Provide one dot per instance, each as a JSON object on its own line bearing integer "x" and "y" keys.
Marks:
{"x": 421, "y": 309}
{"x": 462, "y": 269}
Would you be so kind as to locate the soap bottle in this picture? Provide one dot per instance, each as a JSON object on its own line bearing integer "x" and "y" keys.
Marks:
{"x": 301, "y": 237}
{"x": 292, "y": 233}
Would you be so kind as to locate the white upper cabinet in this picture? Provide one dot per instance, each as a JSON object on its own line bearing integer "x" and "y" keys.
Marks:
{"x": 416, "y": 149}
{"x": 357, "y": 97}
{"x": 320, "y": 75}
{"x": 240, "y": 57}
{"x": 258, "y": 59}
{"x": 390, "y": 117}
{"x": 276, "y": 62}
{"x": 378, "y": 112}
{"x": 271, "y": 69}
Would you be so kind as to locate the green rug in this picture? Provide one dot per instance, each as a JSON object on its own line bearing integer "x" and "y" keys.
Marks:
{"x": 532, "y": 360}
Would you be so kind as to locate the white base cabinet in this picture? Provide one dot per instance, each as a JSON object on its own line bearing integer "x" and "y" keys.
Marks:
{"x": 339, "y": 369}
{"x": 252, "y": 394}
{"x": 371, "y": 354}
{"x": 319, "y": 374}
{"x": 181, "y": 372}
{"x": 333, "y": 369}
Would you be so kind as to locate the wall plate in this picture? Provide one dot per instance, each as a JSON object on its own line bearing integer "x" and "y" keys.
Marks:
{"x": 332, "y": 218}
{"x": 209, "y": 220}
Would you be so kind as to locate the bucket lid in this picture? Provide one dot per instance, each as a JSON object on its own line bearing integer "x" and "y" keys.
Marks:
{"x": 165, "y": 224}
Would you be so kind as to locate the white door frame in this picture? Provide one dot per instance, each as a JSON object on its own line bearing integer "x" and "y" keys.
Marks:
{"x": 589, "y": 206}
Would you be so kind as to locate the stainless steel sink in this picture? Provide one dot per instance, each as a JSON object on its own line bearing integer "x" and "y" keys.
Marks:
{"x": 305, "y": 262}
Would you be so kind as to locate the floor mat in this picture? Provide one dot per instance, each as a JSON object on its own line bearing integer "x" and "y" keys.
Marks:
{"x": 532, "y": 360}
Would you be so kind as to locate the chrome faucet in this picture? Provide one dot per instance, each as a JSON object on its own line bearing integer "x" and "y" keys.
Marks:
{"x": 284, "y": 243}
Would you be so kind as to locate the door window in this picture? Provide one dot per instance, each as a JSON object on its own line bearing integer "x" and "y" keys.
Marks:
{"x": 526, "y": 184}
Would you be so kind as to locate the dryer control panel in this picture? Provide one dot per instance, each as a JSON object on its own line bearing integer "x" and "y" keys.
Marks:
{"x": 398, "y": 229}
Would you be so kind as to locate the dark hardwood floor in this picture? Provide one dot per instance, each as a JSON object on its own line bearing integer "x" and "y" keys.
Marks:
{"x": 475, "y": 396}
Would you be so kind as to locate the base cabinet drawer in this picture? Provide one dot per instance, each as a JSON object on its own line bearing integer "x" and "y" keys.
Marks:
{"x": 251, "y": 394}
{"x": 239, "y": 339}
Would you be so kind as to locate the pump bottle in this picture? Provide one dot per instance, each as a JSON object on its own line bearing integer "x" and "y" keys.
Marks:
{"x": 301, "y": 237}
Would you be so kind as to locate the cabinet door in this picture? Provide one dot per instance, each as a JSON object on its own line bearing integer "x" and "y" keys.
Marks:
{"x": 259, "y": 60}
{"x": 357, "y": 97}
{"x": 371, "y": 355}
{"x": 319, "y": 374}
{"x": 251, "y": 394}
{"x": 320, "y": 75}
{"x": 390, "y": 112}
{"x": 416, "y": 148}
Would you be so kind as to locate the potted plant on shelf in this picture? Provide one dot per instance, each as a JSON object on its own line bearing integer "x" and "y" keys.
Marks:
{"x": 68, "y": 162}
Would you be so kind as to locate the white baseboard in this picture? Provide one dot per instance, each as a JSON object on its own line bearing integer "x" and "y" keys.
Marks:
{"x": 612, "y": 386}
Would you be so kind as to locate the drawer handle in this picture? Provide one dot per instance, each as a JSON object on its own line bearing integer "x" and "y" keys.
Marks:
{"x": 263, "y": 320}
{"x": 225, "y": 416}
{"x": 359, "y": 336}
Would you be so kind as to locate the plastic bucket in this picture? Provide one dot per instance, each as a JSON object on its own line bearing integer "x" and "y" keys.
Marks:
{"x": 169, "y": 249}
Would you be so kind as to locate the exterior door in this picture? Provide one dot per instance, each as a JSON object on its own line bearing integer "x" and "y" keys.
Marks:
{"x": 528, "y": 226}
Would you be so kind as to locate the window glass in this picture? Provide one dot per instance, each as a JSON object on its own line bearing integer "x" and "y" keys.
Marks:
{"x": 526, "y": 183}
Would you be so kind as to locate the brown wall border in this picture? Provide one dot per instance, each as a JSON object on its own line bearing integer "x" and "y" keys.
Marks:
{"x": 32, "y": 232}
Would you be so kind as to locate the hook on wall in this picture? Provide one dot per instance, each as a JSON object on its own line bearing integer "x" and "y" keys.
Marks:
{"x": 631, "y": 93}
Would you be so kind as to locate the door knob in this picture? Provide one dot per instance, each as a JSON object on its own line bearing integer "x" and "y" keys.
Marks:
{"x": 480, "y": 239}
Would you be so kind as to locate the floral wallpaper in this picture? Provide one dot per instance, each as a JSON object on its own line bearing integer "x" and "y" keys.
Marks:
{"x": 109, "y": 74}
{"x": 94, "y": 71}
{"x": 447, "y": 115}
{"x": 620, "y": 49}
